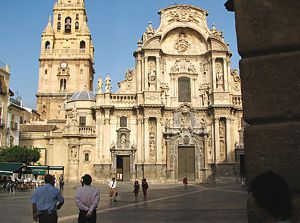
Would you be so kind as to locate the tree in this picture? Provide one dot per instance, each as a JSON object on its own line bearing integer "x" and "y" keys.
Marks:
{"x": 20, "y": 154}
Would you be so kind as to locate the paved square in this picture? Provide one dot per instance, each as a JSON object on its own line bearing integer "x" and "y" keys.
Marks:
{"x": 166, "y": 203}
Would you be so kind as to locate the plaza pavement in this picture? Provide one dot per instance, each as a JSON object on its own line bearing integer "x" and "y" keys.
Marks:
{"x": 166, "y": 203}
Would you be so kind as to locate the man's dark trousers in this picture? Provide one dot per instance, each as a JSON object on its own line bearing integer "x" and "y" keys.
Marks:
{"x": 83, "y": 219}
{"x": 45, "y": 217}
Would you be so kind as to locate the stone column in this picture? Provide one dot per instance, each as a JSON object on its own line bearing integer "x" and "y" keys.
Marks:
{"x": 214, "y": 80}
{"x": 226, "y": 84}
{"x": 205, "y": 152}
{"x": 158, "y": 75}
{"x": 159, "y": 139}
{"x": 146, "y": 73}
{"x": 139, "y": 140}
{"x": 143, "y": 74}
{"x": 107, "y": 133}
{"x": 229, "y": 149}
{"x": 217, "y": 140}
{"x": 270, "y": 70}
{"x": 138, "y": 74}
{"x": 146, "y": 140}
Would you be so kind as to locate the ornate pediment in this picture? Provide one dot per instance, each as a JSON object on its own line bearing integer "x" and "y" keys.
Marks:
{"x": 185, "y": 14}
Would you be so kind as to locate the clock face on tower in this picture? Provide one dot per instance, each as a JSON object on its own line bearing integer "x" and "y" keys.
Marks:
{"x": 63, "y": 65}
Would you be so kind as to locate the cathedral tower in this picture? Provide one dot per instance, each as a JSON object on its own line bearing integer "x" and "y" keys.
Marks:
{"x": 66, "y": 60}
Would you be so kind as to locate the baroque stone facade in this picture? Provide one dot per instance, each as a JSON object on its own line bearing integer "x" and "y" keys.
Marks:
{"x": 177, "y": 112}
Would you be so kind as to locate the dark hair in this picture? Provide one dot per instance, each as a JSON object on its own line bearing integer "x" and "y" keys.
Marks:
{"x": 272, "y": 194}
{"x": 87, "y": 179}
{"x": 49, "y": 179}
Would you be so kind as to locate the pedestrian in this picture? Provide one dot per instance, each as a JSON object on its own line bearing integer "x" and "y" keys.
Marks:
{"x": 113, "y": 189}
{"x": 81, "y": 181}
{"x": 145, "y": 188}
{"x": 136, "y": 189}
{"x": 46, "y": 200}
{"x": 185, "y": 182}
{"x": 61, "y": 182}
{"x": 87, "y": 199}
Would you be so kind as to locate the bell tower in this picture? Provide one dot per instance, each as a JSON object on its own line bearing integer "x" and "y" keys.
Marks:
{"x": 66, "y": 59}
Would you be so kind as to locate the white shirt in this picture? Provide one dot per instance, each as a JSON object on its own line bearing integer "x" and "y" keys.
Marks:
{"x": 112, "y": 184}
{"x": 87, "y": 198}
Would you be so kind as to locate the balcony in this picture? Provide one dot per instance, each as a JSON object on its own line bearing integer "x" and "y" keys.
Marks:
{"x": 87, "y": 130}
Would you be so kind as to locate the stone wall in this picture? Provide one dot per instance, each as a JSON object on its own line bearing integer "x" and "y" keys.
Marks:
{"x": 269, "y": 42}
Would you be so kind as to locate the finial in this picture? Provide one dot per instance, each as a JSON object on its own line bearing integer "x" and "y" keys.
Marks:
{"x": 214, "y": 26}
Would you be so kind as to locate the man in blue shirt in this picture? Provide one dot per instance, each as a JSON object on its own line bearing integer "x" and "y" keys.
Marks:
{"x": 45, "y": 201}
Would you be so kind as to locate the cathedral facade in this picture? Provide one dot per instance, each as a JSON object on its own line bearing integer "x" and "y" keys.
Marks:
{"x": 177, "y": 113}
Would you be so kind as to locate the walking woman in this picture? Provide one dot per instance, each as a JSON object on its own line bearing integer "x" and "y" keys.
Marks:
{"x": 136, "y": 189}
{"x": 145, "y": 188}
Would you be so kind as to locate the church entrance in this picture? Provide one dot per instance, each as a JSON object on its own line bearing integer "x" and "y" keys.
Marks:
{"x": 123, "y": 168}
{"x": 186, "y": 162}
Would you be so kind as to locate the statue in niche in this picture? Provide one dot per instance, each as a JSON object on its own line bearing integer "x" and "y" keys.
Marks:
{"x": 219, "y": 76}
{"x": 205, "y": 100}
{"x": 107, "y": 84}
{"x": 123, "y": 141}
{"x": 222, "y": 130}
{"x": 152, "y": 76}
{"x": 74, "y": 152}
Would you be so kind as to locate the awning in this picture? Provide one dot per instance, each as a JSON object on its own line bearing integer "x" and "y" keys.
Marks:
{"x": 41, "y": 170}
{"x": 11, "y": 167}
{"x": 56, "y": 167}
{"x": 38, "y": 170}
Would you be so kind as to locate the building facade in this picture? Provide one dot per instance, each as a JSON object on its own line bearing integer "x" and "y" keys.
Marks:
{"x": 177, "y": 113}
{"x": 4, "y": 101}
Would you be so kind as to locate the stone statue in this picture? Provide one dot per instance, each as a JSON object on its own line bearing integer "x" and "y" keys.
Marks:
{"x": 152, "y": 76}
{"x": 107, "y": 84}
{"x": 123, "y": 141}
{"x": 100, "y": 84}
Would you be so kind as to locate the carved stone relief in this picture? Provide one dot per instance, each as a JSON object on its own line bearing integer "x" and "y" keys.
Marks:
{"x": 235, "y": 84}
{"x": 222, "y": 138}
{"x": 182, "y": 44}
{"x": 185, "y": 66}
{"x": 164, "y": 88}
{"x": 184, "y": 14}
{"x": 152, "y": 137}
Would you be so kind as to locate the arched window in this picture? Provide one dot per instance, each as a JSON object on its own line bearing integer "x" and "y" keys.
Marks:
{"x": 58, "y": 25}
{"x": 68, "y": 25}
{"x": 47, "y": 45}
{"x": 86, "y": 157}
{"x": 77, "y": 16}
{"x": 76, "y": 25}
{"x": 82, "y": 45}
{"x": 184, "y": 89}
{"x": 123, "y": 121}
{"x": 63, "y": 84}
{"x": 59, "y": 17}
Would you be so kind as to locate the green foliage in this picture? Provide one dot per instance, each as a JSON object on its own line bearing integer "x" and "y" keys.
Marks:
{"x": 19, "y": 154}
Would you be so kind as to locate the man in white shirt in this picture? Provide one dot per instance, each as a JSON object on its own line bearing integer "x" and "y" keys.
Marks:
{"x": 87, "y": 199}
{"x": 113, "y": 189}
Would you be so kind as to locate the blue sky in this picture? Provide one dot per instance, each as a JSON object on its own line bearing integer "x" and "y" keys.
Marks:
{"x": 115, "y": 25}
